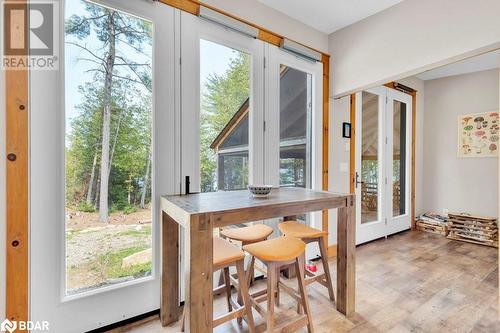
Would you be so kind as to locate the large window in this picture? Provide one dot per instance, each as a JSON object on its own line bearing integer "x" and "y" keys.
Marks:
{"x": 108, "y": 146}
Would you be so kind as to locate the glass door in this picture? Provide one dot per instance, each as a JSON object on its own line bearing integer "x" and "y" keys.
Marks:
{"x": 383, "y": 146}
{"x": 222, "y": 93}
{"x": 293, "y": 119}
{"x": 370, "y": 175}
{"x": 399, "y": 109}
{"x": 102, "y": 151}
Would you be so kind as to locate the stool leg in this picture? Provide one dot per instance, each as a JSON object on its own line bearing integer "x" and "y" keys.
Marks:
{"x": 278, "y": 273}
{"x": 243, "y": 287}
{"x": 228, "y": 288}
{"x": 326, "y": 268}
{"x": 251, "y": 271}
{"x": 299, "y": 264}
{"x": 271, "y": 285}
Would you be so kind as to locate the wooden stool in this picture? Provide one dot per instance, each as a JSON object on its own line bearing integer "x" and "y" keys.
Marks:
{"x": 276, "y": 253}
{"x": 248, "y": 235}
{"x": 226, "y": 255}
{"x": 309, "y": 235}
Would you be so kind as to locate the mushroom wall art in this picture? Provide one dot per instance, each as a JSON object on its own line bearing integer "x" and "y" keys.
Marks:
{"x": 478, "y": 134}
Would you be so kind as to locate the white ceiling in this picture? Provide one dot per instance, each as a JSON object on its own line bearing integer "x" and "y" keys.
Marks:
{"x": 329, "y": 15}
{"x": 482, "y": 62}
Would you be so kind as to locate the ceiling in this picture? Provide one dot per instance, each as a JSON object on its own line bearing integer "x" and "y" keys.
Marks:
{"x": 329, "y": 15}
{"x": 482, "y": 62}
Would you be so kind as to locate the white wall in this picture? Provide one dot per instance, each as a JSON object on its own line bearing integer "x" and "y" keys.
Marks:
{"x": 273, "y": 20}
{"x": 458, "y": 184}
{"x": 411, "y": 37}
{"x": 338, "y": 164}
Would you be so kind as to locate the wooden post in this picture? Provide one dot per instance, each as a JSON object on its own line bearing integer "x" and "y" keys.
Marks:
{"x": 170, "y": 271}
{"x": 346, "y": 257}
{"x": 199, "y": 313}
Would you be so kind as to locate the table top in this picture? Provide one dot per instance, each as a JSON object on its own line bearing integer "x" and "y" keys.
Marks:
{"x": 221, "y": 201}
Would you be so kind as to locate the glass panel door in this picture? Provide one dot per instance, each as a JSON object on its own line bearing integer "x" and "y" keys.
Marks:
{"x": 295, "y": 127}
{"x": 399, "y": 109}
{"x": 102, "y": 151}
{"x": 293, "y": 133}
{"x": 383, "y": 144}
{"x": 222, "y": 116}
{"x": 370, "y": 142}
{"x": 370, "y": 161}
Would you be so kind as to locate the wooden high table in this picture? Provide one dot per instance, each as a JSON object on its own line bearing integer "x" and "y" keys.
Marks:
{"x": 199, "y": 214}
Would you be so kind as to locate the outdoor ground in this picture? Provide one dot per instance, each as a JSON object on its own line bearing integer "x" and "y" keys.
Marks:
{"x": 94, "y": 250}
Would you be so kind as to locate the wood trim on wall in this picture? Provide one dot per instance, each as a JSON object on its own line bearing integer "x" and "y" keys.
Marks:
{"x": 352, "y": 146}
{"x": 17, "y": 263}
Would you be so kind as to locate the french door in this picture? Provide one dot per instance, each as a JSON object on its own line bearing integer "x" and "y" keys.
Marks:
{"x": 383, "y": 151}
{"x": 251, "y": 113}
{"x": 102, "y": 150}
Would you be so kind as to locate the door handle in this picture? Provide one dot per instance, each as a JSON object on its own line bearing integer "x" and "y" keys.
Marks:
{"x": 357, "y": 180}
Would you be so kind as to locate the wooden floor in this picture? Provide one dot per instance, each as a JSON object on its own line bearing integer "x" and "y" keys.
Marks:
{"x": 411, "y": 282}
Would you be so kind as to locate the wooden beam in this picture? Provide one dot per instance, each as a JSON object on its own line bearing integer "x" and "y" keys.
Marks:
{"x": 17, "y": 103}
{"x": 325, "y": 59}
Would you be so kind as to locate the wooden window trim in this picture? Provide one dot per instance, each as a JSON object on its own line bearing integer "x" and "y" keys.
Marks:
{"x": 17, "y": 228}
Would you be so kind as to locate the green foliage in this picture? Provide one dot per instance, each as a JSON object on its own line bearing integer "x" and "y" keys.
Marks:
{"x": 129, "y": 209}
{"x": 111, "y": 264}
{"x": 86, "y": 207}
{"x": 224, "y": 94}
{"x": 130, "y": 103}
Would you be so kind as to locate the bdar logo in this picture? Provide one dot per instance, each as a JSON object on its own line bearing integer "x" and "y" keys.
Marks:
{"x": 8, "y": 326}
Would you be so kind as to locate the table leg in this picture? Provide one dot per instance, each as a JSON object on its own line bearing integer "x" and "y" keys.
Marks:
{"x": 346, "y": 258}
{"x": 289, "y": 272}
{"x": 199, "y": 295}
{"x": 170, "y": 271}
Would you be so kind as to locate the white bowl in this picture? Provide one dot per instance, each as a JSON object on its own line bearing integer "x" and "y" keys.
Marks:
{"x": 260, "y": 191}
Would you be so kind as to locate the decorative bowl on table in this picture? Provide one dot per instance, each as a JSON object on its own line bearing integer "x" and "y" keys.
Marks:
{"x": 260, "y": 191}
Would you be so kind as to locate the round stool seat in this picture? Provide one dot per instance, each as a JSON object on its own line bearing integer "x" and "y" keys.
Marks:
{"x": 299, "y": 230}
{"x": 277, "y": 249}
{"x": 225, "y": 253}
{"x": 251, "y": 234}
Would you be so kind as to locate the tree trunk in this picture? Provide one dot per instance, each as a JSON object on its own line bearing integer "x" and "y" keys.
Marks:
{"x": 114, "y": 141}
{"x": 106, "y": 119}
{"x": 146, "y": 181}
{"x": 91, "y": 181}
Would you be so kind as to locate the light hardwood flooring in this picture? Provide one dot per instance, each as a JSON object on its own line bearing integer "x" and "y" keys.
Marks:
{"x": 411, "y": 282}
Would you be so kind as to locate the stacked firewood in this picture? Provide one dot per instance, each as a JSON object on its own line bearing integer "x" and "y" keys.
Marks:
{"x": 473, "y": 229}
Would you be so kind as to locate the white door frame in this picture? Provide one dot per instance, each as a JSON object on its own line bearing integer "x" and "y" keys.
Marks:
{"x": 275, "y": 57}
{"x": 193, "y": 29}
{"x": 385, "y": 224}
{"x": 47, "y": 200}
{"x": 401, "y": 222}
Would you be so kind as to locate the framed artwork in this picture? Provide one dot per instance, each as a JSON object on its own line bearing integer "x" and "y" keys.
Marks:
{"x": 478, "y": 134}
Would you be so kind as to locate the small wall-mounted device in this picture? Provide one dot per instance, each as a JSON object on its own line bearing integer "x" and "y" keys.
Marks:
{"x": 346, "y": 130}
